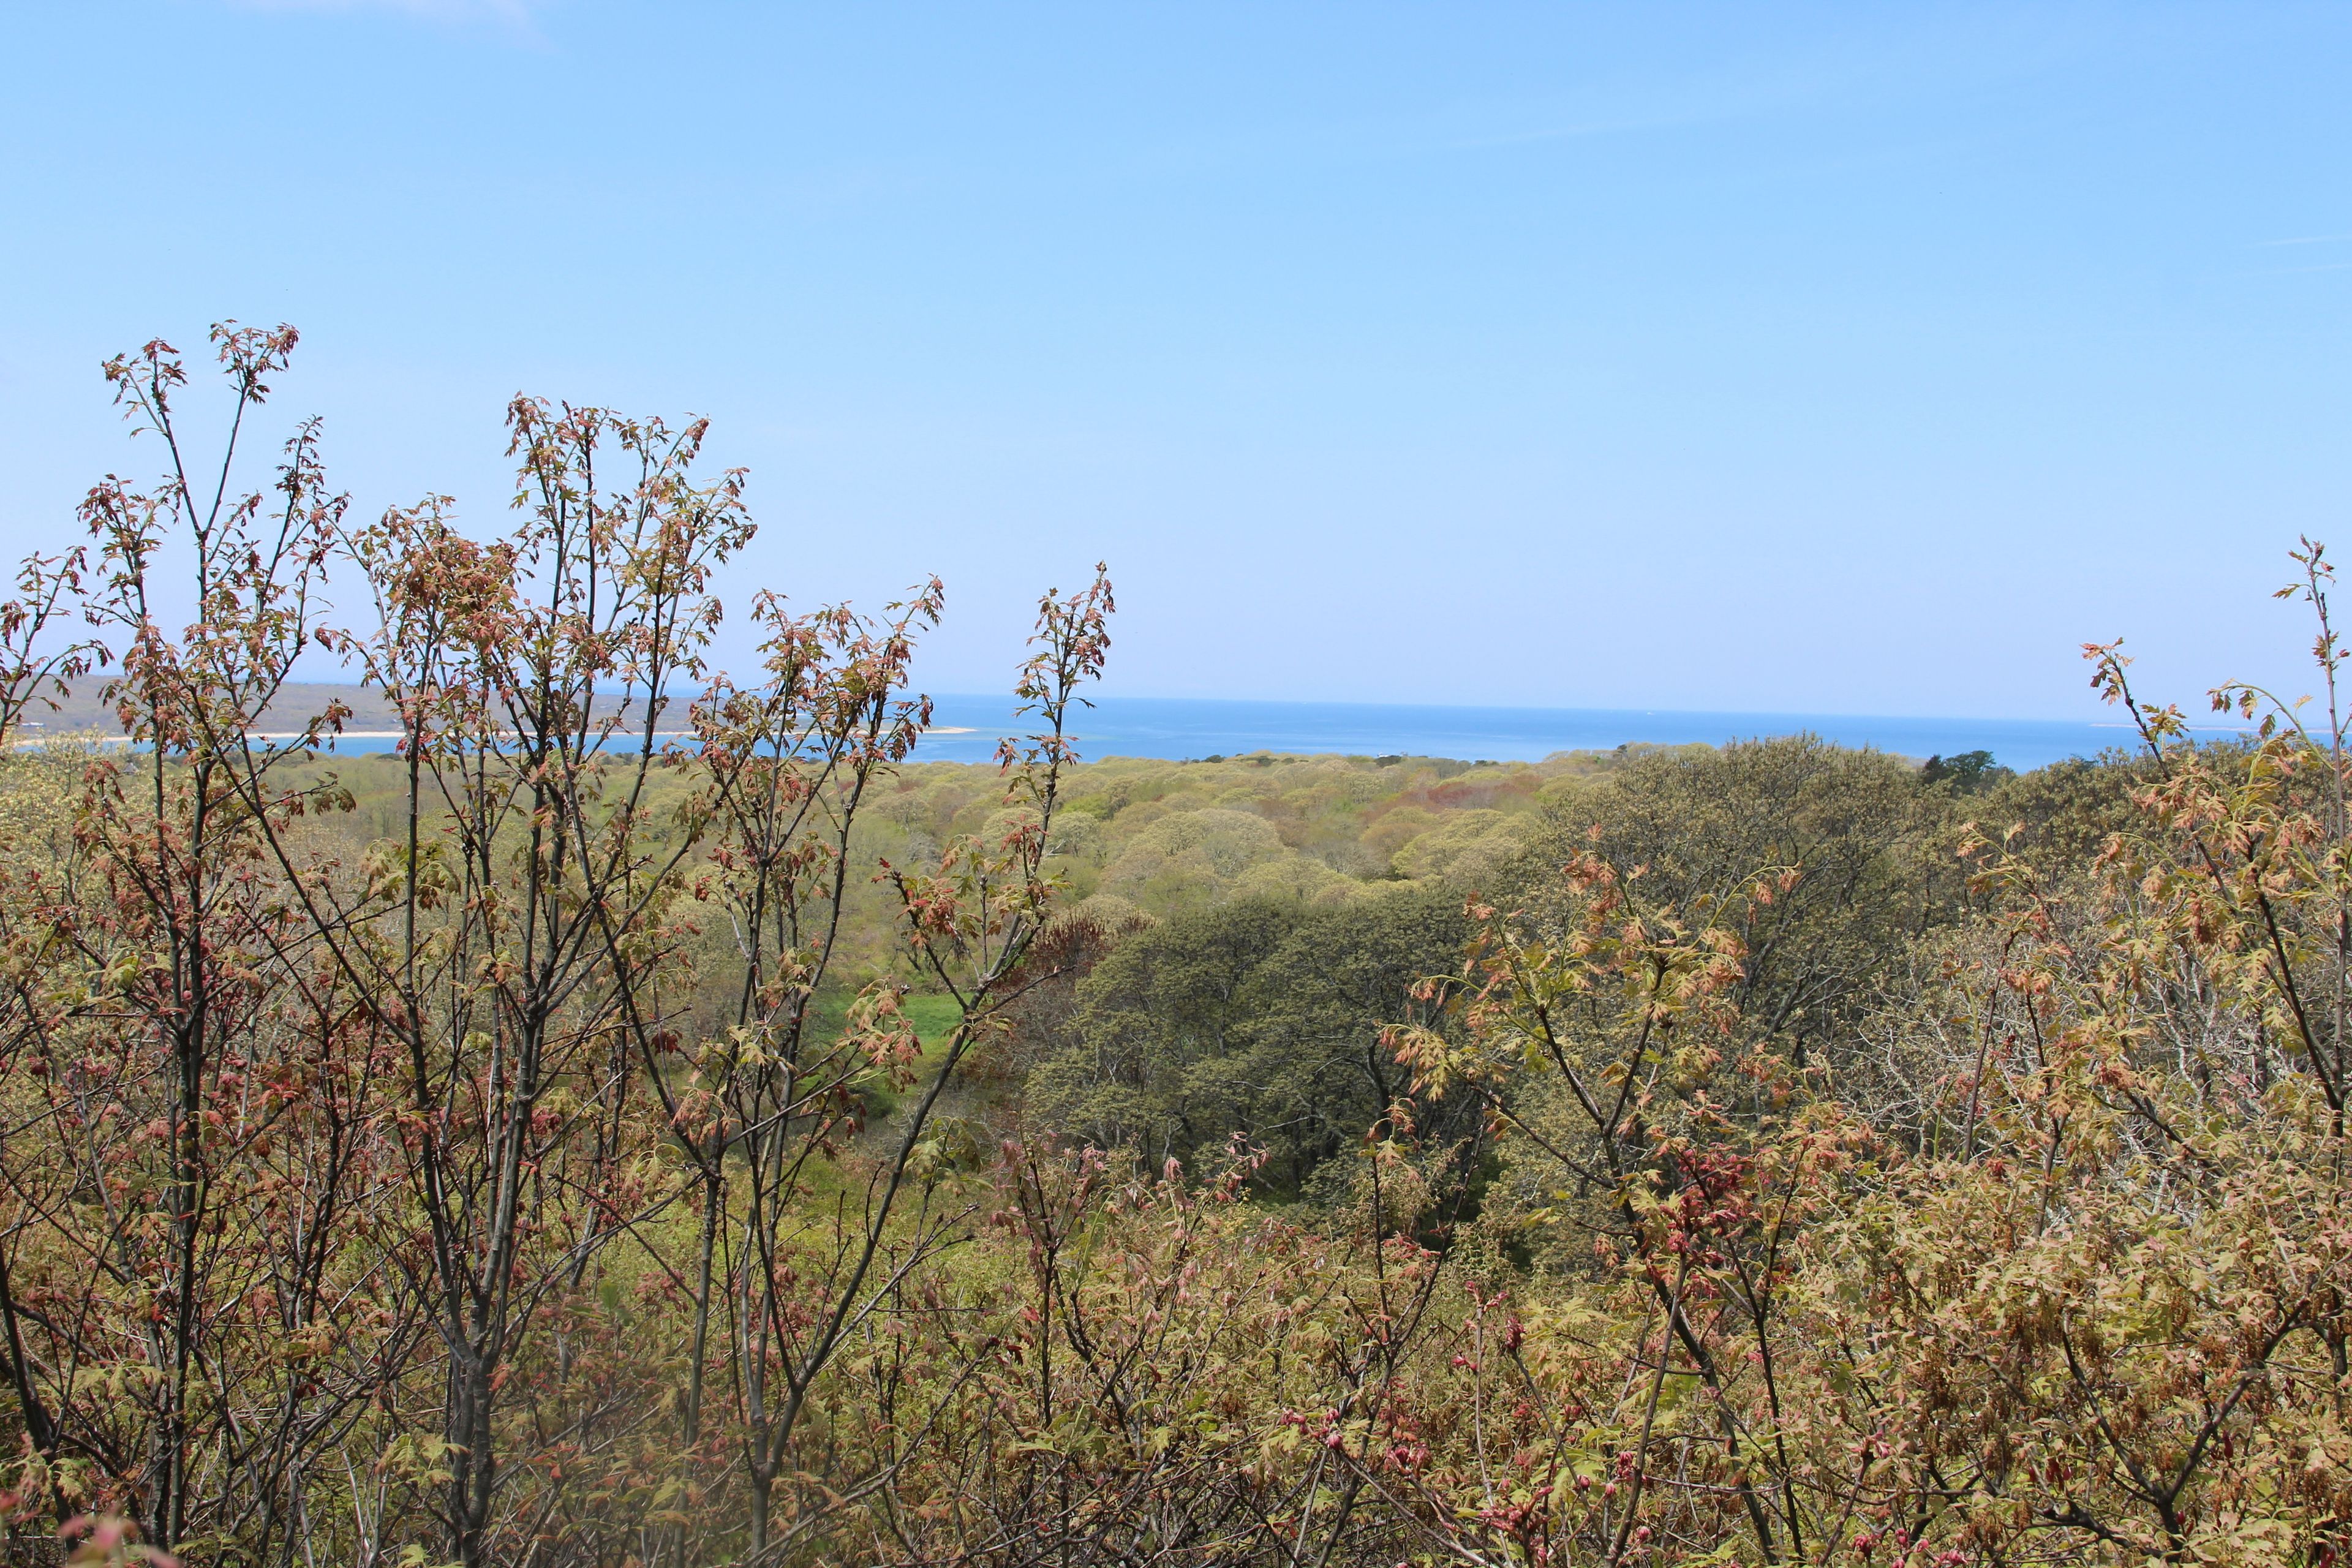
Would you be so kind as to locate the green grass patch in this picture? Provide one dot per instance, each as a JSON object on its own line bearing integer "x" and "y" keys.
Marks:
{"x": 935, "y": 1018}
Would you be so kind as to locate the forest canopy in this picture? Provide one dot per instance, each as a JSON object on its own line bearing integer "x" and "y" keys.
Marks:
{"x": 643, "y": 1116}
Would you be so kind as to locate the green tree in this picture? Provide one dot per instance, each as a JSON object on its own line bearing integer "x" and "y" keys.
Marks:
{"x": 1858, "y": 856}
{"x": 1259, "y": 1019}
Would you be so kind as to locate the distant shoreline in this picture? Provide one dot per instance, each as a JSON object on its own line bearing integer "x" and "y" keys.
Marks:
{"x": 1177, "y": 729}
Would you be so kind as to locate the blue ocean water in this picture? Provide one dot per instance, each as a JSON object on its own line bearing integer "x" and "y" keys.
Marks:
{"x": 966, "y": 730}
{"x": 1177, "y": 728}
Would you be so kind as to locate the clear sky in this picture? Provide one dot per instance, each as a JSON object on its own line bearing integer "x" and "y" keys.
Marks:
{"x": 1821, "y": 358}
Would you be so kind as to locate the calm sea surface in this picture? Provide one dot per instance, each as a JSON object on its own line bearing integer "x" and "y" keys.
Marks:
{"x": 1181, "y": 728}
{"x": 1177, "y": 728}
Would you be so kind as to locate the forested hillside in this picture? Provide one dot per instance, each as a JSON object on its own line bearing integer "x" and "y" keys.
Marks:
{"x": 642, "y": 1117}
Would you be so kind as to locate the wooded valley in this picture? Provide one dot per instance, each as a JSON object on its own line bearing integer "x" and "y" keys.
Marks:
{"x": 646, "y": 1117}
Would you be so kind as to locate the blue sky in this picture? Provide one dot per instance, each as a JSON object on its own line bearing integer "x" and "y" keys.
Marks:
{"x": 1810, "y": 358}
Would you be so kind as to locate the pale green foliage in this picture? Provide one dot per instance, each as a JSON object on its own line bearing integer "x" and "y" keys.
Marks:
{"x": 1472, "y": 849}
{"x": 1187, "y": 859}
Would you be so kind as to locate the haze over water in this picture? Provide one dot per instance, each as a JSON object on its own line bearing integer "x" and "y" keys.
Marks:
{"x": 967, "y": 728}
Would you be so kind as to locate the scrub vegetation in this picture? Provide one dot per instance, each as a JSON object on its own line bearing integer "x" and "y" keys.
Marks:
{"x": 641, "y": 1116}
